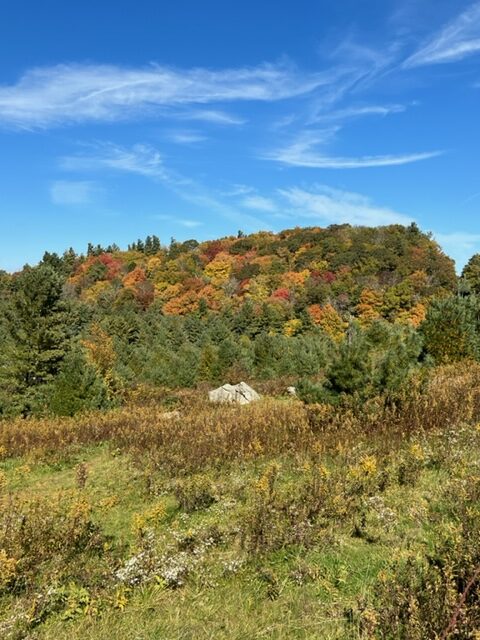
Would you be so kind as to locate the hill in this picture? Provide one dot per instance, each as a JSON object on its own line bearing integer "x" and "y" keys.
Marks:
{"x": 79, "y": 331}
{"x": 390, "y": 269}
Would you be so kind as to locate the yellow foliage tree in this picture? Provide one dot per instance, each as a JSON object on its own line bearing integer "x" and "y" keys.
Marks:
{"x": 219, "y": 270}
{"x": 213, "y": 297}
{"x": 414, "y": 316}
{"x": 292, "y": 327}
{"x": 258, "y": 289}
{"x": 181, "y": 305}
{"x": 263, "y": 262}
{"x": 101, "y": 353}
{"x": 153, "y": 265}
{"x": 419, "y": 281}
{"x": 329, "y": 320}
{"x": 165, "y": 291}
{"x": 294, "y": 279}
{"x": 370, "y": 306}
{"x": 92, "y": 293}
{"x": 134, "y": 277}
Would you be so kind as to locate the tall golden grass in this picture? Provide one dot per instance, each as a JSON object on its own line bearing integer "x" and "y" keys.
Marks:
{"x": 203, "y": 435}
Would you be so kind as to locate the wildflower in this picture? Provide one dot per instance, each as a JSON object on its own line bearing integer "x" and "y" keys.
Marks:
{"x": 7, "y": 569}
{"x": 368, "y": 465}
{"x": 81, "y": 475}
{"x": 417, "y": 452}
{"x": 23, "y": 470}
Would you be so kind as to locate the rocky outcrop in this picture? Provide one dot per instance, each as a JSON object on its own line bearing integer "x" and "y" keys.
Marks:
{"x": 234, "y": 393}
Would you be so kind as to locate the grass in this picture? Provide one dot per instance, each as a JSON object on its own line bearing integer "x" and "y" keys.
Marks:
{"x": 300, "y": 536}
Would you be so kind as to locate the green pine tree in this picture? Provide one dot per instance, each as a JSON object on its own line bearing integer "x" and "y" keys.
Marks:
{"x": 78, "y": 387}
{"x": 40, "y": 324}
{"x": 451, "y": 330}
{"x": 471, "y": 273}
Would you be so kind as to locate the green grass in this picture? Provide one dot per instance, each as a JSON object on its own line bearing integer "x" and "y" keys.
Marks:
{"x": 293, "y": 591}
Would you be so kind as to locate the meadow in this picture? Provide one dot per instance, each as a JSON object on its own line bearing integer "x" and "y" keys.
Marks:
{"x": 274, "y": 520}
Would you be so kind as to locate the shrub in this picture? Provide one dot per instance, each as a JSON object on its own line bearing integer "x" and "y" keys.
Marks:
{"x": 35, "y": 530}
{"x": 437, "y": 596}
{"x": 195, "y": 492}
{"x": 451, "y": 329}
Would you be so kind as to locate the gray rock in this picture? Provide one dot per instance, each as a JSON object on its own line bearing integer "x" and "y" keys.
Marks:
{"x": 237, "y": 393}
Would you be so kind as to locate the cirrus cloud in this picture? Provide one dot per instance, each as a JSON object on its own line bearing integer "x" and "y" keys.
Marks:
{"x": 457, "y": 40}
{"x": 334, "y": 206}
{"x": 75, "y": 93}
{"x": 308, "y": 151}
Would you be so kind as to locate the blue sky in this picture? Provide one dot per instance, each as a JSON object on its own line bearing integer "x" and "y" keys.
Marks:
{"x": 196, "y": 119}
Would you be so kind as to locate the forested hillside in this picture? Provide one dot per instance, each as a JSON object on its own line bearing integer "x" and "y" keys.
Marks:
{"x": 80, "y": 331}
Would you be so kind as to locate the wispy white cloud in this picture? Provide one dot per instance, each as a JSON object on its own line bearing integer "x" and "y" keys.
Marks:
{"x": 457, "y": 40}
{"x": 212, "y": 116}
{"x": 259, "y": 203}
{"x": 237, "y": 190}
{"x": 140, "y": 159}
{"x": 308, "y": 150}
{"x": 359, "y": 112}
{"x": 63, "y": 94}
{"x": 334, "y": 206}
{"x": 357, "y": 68}
{"x": 145, "y": 160}
{"x": 284, "y": 121}
{"x": 73, "y": 192}
{"x": 184, "y": 222}
{"x": 186, "y": 137}
{"x": 203, "y": 198}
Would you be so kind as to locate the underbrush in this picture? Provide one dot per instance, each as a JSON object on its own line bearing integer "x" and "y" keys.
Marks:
{"x": 270, "y": 427}
{"x": 277, "y": 520}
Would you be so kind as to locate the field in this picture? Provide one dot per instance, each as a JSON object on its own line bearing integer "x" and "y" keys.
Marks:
{"x": 274, "y": 520}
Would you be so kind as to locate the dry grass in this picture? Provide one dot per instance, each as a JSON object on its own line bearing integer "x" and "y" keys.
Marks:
{"x": 324, "y": 519}
{"x": 203, "y": 435}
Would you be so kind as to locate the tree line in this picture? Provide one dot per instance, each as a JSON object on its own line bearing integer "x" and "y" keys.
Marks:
{"x": 342, "y": 310}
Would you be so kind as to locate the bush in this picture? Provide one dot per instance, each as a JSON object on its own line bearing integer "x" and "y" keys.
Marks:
{"x": 195, "y": 492}
{"x": 34, "y": 531}
{"x": 437, "y": 596}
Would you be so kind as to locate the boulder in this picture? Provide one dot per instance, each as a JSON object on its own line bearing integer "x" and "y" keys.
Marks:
{"x": 238, "y": 393}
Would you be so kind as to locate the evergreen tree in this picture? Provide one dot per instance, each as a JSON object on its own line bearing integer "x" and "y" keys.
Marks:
{"x": 69, "y": 260}
{"x": 228, "y": 353}
{"x": 40, "y": 324}
{"x": 451, "y": 329}
{"x": 78, "y": 387}
{"x": 246, "y": 321}
{"x": 148, "y": 246}
{"x": 471, "y": 273}
{"x": 209, "y": 365}
{"x": 53, "y": 260}
{"x": 374, "y": 362}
